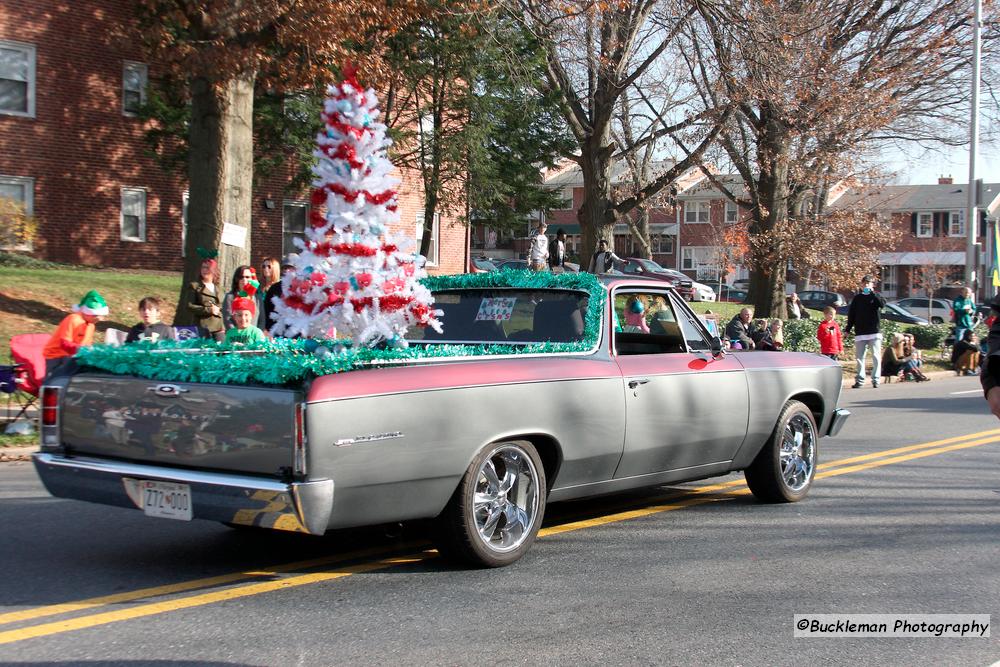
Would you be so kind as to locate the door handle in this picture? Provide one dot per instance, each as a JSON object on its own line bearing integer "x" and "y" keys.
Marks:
{"x": 632, "y": 384}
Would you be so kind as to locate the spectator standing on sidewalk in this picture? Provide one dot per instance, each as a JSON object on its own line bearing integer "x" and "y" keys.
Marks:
{"x": 990, "y": 376}
{"x": 538, "y": 252}
{"x": 557, "y": 252}
{"x": 864, "y": 318}
{"x": 964, "y": 308}
{"x": 831, "y": 341}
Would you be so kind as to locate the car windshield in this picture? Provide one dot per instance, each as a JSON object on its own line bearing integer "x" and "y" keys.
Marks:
{"x": 506, "y": 316}
{"x": 649, "y": 265}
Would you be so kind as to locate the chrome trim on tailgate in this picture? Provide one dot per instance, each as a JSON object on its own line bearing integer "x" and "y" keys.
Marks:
{"x": 241, "y": 499}
{"x": 840, "y": 416}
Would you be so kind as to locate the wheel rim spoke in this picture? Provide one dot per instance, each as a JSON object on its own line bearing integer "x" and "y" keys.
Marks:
{"x": 798, "y": 452}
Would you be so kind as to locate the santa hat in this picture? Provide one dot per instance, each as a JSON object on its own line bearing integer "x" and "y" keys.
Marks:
{"x": 92, "y": 303}
{"x": 245, "y": 300}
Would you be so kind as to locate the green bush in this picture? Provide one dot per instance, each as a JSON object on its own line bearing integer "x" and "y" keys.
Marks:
{"x": 928, "y": 337}
{"x": 800, "y": 335}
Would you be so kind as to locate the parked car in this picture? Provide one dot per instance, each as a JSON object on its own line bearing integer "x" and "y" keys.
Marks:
{"x": 733, "y": 295}
{"x": 940, "y": 309}
{"x": 514, "y": 264}
{"x": 893, "y": 312}
{"x": 478, "y": 442}
{"x": 482, "y": 265}
{"x": 638, "y": 266}
{"x": 820, "y": 299}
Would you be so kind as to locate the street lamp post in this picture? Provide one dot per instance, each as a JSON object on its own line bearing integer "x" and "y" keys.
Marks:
{"x": 971, "y": 254}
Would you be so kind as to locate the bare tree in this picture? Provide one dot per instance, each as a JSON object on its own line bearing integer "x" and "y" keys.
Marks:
{"x": 815, "y": 83}
{"x": 596, "y": 52}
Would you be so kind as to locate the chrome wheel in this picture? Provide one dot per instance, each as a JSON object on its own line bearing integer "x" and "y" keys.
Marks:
{"x": 798, "y": 452}
{"x": 505, "y": 499}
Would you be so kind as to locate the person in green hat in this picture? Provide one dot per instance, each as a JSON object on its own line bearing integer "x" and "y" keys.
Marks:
{"x": 75, "y": 331}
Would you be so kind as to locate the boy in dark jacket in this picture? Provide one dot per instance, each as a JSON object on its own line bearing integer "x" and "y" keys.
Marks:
{"x": 864, "y": 318}
{"x": 150, "y": 329}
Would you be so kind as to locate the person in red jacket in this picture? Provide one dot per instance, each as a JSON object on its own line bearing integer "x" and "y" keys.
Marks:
{"x": 831, "y": 341}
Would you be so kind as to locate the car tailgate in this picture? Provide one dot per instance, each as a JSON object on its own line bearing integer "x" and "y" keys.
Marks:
{"x": 222, "y": 427}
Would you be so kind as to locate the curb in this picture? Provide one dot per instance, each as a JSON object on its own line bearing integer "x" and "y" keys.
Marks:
{"x": 17, "y": 454}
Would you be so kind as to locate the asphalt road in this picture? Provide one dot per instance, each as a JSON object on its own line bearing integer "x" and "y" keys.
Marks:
{"x": 689, "y": 577}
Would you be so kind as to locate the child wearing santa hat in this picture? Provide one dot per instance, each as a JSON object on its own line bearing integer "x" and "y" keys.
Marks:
{"x": 244, "y": 311}
{"x": 75, "y": 331}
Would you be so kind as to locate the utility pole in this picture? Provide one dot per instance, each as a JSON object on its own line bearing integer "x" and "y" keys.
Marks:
{"x": 971, "y": 216}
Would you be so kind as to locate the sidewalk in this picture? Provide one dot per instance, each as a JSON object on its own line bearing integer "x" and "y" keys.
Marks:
{"x": 849, "y": 381}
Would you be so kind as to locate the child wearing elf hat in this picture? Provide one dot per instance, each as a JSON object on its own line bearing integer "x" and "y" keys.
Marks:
{"x": 75, "y": 331}
{"x": 244, "y": 315}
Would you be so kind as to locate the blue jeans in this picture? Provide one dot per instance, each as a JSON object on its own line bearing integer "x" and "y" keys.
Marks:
{"x": 959, "y": 333}
{"x": 861, "y": 347}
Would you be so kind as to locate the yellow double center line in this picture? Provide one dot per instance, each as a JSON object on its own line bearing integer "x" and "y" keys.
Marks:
{"x": 274, "y": 582}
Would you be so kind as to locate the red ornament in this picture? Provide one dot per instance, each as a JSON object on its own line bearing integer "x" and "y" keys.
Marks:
{"x": 316, "y": 219}
{"x": 342, "y": 287}
{"x": 318, "y": 197}
{"x": 317, "y": 278}
{"x": 364, "y": 280}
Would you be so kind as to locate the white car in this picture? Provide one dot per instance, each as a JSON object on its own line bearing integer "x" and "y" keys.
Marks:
{"x": 702, "y": 292}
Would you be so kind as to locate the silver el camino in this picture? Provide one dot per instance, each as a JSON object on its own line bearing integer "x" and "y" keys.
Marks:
{"x": 543, "y": 394}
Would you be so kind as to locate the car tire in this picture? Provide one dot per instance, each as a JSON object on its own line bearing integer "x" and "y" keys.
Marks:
{"x": 784, "y": 469}
{"x": 937, "y": 320}
{"x": 481, "y": 525}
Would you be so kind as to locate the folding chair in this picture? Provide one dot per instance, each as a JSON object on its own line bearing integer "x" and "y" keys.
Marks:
{"x": 10, "y": 387}
{"x": 26, "y": 351}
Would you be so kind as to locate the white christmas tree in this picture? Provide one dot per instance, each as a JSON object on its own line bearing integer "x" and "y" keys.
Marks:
{"x": 354, "y": 275}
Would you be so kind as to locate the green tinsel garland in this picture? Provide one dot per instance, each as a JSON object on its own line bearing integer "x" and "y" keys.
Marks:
{"x": 283, "y": 360}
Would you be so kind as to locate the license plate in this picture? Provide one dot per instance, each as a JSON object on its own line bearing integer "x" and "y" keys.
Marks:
{"x": 166, "y": 499}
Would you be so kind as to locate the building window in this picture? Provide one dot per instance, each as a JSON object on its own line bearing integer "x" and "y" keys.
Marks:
{"x": 133, "y": 218}
{"x": 732, "y": 213}
{"x": 888, "y": 283}
{"x": 956, "y": 223}
{"x": 21, "y": 191}
{"x": 432, "y": 250}
{"x": 697, "y": 212}
{"x": 184, "y": 222}
{"x": 925, "y": 225}
{"x": 566, "y": 200}
{"x": 687, "y": 258}
{"x": 662, "y": 243}
{"x": 293, "y": 224}
{"x": 17, "y": 79}
{"x": 134, "y": 77}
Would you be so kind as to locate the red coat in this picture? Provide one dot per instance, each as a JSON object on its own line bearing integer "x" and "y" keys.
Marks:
{"x": 830, "y": 339}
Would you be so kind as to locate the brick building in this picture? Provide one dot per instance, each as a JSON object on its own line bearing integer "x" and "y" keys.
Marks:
{"x": 72, "y": 149}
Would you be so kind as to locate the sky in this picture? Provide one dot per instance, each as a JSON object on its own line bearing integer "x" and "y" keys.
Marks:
{"x": 919, "y": 167}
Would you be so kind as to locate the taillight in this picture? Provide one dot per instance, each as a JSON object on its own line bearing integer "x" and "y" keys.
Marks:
{"x": 50, "y": 406}
{"x": 50, "y": 416}
{"x": 300, "y": 439}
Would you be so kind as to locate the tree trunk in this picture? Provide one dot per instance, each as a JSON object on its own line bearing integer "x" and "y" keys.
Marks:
{"x": 597, "y": 215}
{"x": 220, "y": 177}
{"x": 640, "y": 232}
{"x": 767, "y": 280}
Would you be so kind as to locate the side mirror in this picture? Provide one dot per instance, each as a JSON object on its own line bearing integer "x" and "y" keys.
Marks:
{"x": 716, "y": 345}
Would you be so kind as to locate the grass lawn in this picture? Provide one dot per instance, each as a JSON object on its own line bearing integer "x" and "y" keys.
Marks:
{"x": 35, "y": 299}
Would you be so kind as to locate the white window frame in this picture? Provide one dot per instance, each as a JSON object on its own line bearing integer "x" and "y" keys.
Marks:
{"x": 298, "y": 203}
{"x": 693, "y": 255}
{"x": 732, "y": 211}
{"x": 433, "y": 258}
{"x": 125, "y": 192}
{"x": 921, "y": 219}
{"x": 28, "y": 184}
{"x": 687, "y": 258}
{"x": 956, "y": 223}
{"x": 143, "y": 71}
{"x": 185, "y": 196}
{"x": 662, "y": 244}
{"x": 694, "y": 211}
{"x": 29, "y": 52}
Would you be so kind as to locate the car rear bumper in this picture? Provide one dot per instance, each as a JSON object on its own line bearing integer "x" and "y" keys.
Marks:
{"x": 840, "y": 416}
{"x": 241, "y": 499}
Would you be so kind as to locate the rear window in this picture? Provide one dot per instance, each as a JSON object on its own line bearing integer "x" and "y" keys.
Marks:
{"x": 507, "y": 316}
